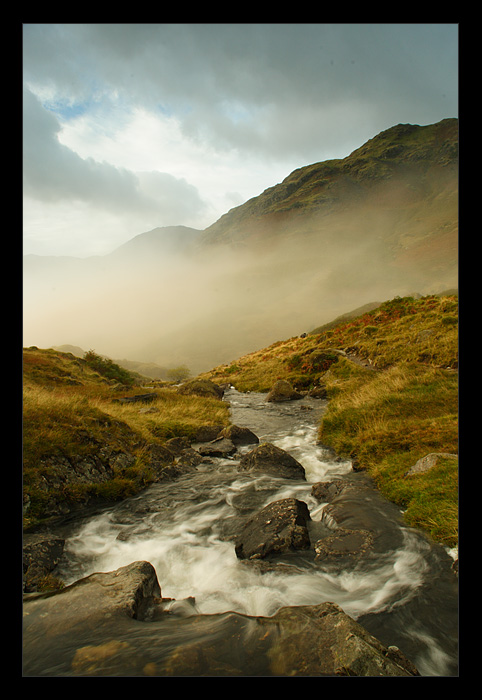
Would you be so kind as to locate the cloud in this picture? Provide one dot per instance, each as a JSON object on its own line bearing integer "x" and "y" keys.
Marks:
{"x": 55, "y": 173}
{"x": 229, "y": 83}
{"x": 158, "y": 121}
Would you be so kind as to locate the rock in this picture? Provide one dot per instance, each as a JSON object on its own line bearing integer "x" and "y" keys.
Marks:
{"x": 222, "y": 447}
{"x": 240, "y": 436}
{"x": 115, "y": 624}
{"x": 202, "y": 387}
{"x": 344, "y": 542}
{"x": 322, "y": 640}
{"x": 428, "y": 462}
{"x": 177, "y": 445}
{"x": 189, "y": 458}
{"x": 319, "y": 392}
{"x": 282, "y": 526}
{"x": 283, "y": 391}
{"x": 41, "y": 554}
{"x": 269, "y": 459}
{"x": 139, "y": 398}
{"x": 207, "y": 433}
{"x": 325, "y": 491}
{"x": 127, "y": 592}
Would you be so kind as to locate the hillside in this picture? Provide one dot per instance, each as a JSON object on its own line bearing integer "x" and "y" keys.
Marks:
{"x": 390, "y": 376}
{"x": 405, "y": 180}
{"x": 332, "y": 236}
{"x": 93, "y": 434}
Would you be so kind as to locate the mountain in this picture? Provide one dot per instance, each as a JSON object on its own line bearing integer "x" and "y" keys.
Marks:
{"x": 400, "y": 187}
{"x": 161, "y": 241}
{"x": 330, "y": 237}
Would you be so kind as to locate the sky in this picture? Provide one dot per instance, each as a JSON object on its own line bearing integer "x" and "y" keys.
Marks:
{"x": 128, "y": 127}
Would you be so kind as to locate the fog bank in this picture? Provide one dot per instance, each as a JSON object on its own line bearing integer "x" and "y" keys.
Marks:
{"x": 214, "y": 304}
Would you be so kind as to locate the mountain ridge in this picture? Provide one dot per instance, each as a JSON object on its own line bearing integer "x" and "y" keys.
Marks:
{"x": 331, "y": 236}
{"x": 403, "y": 150}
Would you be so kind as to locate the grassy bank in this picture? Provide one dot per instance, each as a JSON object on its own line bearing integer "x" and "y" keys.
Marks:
{"x": 385, "y": 422}
{"x": 71, "y": 410}
{"x": 384, "y": 414}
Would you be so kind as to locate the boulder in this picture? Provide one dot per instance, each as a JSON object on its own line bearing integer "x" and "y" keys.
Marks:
{"x": 41, "y": 554}
{"x": 279, "y": 527}
{"x": 138, "y": 398}
{"x": 270, "y": 459}
{"x": 283, "y": 391}
{"x": 222, "y": 447}
{"x": 325, "y": 491}
{"x": 115, "y": 624}
{"x": 319, "y": 392}
{"x": 177, "y": 445}
{"x": 344, "y": 543}
{"x": 127, "y": 592}
{"x": 240, "y": 436}
{"x": 202, "y": 387}
{"x": 322, "y": 640}
{"x": 428, "y": 462}
{"x": 207, "y": 433}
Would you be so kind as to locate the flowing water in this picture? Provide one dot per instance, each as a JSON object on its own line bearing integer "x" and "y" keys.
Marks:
{"x": 404, "y": 592}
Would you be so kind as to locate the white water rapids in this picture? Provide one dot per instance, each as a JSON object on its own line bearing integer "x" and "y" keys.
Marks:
{"x": 180, "y": 527}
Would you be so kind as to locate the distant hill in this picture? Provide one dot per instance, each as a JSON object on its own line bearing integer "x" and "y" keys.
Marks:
{"x": 332, "y": 236}
{"x": 166, "y": 240}
{"x": 146, "y": 369}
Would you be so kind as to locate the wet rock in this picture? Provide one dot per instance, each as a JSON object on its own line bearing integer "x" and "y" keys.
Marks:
{"x": 127, "y": 592}
{"x": 318, "y": 392}
{"x": 325, "y": 491}
{"x": 160, "y": 455}
{"x": 322, "y": 640}
{"x": 281, "y": 526}
{"x": 283, "y": 391}
{"x": 270, "y": 459}
{"x": 240, "y": 436}
{"x": 189, "y": 458}
{"x": 116, "y": 624}
{"x": 177, "y": 445}
{"x": 222, "y": 447}
{"x": 344, "y": 543}
{"x": 41, "y": 554}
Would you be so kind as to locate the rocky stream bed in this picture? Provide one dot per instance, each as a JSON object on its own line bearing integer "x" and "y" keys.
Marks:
{"x": 267, "y": 556}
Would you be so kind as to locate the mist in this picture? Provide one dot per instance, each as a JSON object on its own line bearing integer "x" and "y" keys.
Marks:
{"x": 214, "y": 303}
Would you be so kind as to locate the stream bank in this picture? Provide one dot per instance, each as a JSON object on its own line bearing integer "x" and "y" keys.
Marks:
{"x": 388, "y": 578}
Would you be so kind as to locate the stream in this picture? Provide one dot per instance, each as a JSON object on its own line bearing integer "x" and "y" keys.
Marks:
{"x": 404, "y": 592}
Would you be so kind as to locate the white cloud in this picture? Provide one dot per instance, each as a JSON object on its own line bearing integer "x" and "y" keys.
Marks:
{"x": 145, "y": 123}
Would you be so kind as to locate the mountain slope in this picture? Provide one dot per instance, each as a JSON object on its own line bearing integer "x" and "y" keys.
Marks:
{"x": 391, "y": 380}
{"x": 403, "y": 166}
{"x": 332, "y": 236}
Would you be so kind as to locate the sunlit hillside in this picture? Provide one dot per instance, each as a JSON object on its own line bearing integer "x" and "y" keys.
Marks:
{"x": 332, "y": 236}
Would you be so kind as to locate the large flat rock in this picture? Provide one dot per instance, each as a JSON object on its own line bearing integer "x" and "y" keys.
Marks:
{"x": 114, "y": 624}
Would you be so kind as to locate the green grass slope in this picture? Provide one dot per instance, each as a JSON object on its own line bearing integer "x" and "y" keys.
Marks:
{"x": 72, "y": 416}
{"x": 392, "y": 383}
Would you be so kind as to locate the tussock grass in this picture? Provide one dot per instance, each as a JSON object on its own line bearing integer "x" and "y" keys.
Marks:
{"x": 385, "y": 422}
{"x": 174, "y": 414}
{"x": 400, "y": 406}
{"x": 70, "y": 411}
